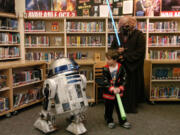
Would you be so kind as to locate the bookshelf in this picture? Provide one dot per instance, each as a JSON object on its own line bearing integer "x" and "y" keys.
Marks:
{"x": 20, "y": 85}
{"x": 10, "y": 46}
{"x": 164, "y": 78}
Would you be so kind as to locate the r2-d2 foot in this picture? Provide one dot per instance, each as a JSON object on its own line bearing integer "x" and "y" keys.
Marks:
{"x": 46, "y": 122}
{"x": 77, "y": 127}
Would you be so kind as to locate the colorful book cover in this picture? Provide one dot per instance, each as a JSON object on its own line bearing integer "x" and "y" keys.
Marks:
{"x": 42, "y": 5}
{"x": 147, "y": 7}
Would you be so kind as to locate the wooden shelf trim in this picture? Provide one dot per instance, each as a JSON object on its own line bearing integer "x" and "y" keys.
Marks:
{"x": 4, "y": 30}
{"x": 164, "y": 99}
{"x": 173, "y": 80}
{"x": 13, "y": 58}
{"x": 26, "y": 84}
{"x": 26, "y": 105}
{"x": 4, "y": 89}
{"x": 4, "y": 44}
{"x": 44, "y": 33}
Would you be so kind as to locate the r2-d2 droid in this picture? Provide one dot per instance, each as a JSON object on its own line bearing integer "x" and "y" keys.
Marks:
{"x": 66, "y": 87}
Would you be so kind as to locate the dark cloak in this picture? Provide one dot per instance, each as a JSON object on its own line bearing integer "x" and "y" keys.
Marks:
{"x": 134, "y": 65}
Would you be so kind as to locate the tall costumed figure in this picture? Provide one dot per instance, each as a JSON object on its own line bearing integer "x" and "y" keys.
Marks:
{"x": 66, "y": 88}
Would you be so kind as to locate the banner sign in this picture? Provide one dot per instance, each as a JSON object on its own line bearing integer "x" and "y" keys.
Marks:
{"x": 32, "y": 13}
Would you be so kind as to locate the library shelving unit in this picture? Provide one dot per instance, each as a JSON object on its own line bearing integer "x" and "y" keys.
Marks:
{"x": 44, "y": 38}
{"x": 10, "y": 46}
{"x": 164, "y": 80}
{"x": 87, "y": 68}
{"x": 16, "y": 94}
{"x": 162, "y": 58}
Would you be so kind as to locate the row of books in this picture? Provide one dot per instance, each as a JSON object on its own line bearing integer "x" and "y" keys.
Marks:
{"x": 164, "y": 54}
{"x": 31, "y": 95}
{"x": 85, "y": 26}
{"x": 164, "y": 73}
{"x": 110, "y": 39}
{"x": 165, "y": 26}
{"x": 8, "y": 24}
{"x": 111, "y": 27}
{"x": 9, "y": 52}
{"x": 165, "y": 92}
{"x": 87, "y": 73}
{"x": 9, "y": 38}
{"x": 3, "y": 80}
{"x": 141, "y": 26}
{"x": 164, "y": 40}
{"x": 84, "y": 40}
{"x": 24, "y": 77}
{"x": 4, "y": 104}
{"x": 37, "y": 40}
{"x": 46, "y": 56}
{"x": 78, "y": 55}
{"x": 34, "y": 26}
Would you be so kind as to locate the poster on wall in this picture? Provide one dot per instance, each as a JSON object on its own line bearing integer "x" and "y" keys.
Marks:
{"x": 50, "y": 8}
{"x": 84, "y": 7}
{"x": 147, "y": 7}
{"x": 7, "y": 6}
{"x": 170, "y": 8}
{"x": 41, "y": 5}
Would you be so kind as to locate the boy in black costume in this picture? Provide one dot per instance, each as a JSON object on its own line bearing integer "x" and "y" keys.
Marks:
{"x": 114, "y": 76}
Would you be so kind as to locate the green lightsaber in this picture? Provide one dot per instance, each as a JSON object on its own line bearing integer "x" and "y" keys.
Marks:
{"x": 121, "y": 108}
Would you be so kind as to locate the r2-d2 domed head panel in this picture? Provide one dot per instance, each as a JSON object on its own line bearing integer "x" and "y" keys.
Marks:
{"x": 63, "y": 65}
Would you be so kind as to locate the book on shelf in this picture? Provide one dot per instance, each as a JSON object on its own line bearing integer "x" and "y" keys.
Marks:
{"x": 141, "y": 25}
{"x": 78, "y": 55}
{"x": 165, "y": 26}
{"x": 58, "y": 41}
{"x": 166, "y": 73}
{"x": 3, "y": 80}
{"x": 4, "y": 104}
{"x": 165, "y": 92}
{"x": 87, "y": 73}
{"x": 8, "y": 24}
{"x": 9, "y": 38}
{"x": 163, "y": 54}
{"x": 34, "y": 26}
{"x": 111, "y": 27}
{"x": 46, "y": 56}
{"x": 31, "y": 40}
{"x": 164, "y": 40}
{"x": 9, "y": 52}
{"x": 84, "y": 41}
{"x": 55, "y": 26}
{"x": 85, "y": 26}
{"x": 25, "y": 77}
{"x": 28, "y": 96}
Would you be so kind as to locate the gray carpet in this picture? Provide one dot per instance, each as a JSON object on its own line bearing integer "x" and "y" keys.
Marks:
{"x": 158, "y": 119}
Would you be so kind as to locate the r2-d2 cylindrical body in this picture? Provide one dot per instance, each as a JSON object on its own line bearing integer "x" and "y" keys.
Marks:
{"x": 68, "y": 91}
{"x": 66, "y": 87}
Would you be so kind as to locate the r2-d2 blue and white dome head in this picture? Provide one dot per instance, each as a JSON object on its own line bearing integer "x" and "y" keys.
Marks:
{"x": 63, "y": 65}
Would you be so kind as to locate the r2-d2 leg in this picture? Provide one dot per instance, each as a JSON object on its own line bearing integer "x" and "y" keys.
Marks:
{"x": 77, "y": 127}
{"x": 46, "y": 121}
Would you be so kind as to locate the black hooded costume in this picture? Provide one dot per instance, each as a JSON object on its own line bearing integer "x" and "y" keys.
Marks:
{"x": 133, "y": 61}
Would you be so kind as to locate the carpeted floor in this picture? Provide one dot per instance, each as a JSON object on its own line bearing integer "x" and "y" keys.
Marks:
{"x": 158, "y": 119}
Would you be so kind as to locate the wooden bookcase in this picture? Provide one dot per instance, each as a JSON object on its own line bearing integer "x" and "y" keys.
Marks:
{"x": 164, "y": 78}
{"x": 78, "y": 29}
{"x": 10, "y": 89}
{"x": 10, "y": 46}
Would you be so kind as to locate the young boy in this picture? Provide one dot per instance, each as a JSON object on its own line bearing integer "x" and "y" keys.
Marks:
{"x": 114, "y": 80}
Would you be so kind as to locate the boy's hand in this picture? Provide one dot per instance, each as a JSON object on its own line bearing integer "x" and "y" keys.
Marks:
{"x": 116, "y": 90}
{"x": 120, "y": 50}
